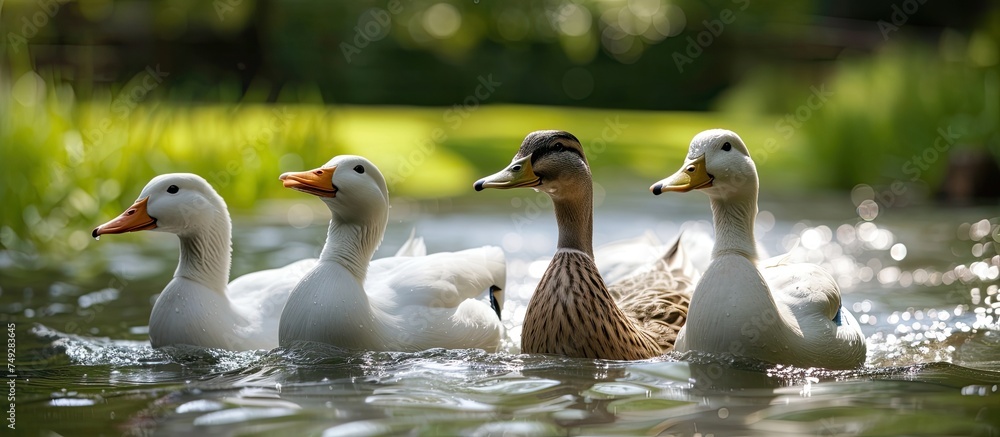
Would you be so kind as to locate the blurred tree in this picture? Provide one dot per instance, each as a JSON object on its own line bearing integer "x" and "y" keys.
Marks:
{"x": 643, "y": 54}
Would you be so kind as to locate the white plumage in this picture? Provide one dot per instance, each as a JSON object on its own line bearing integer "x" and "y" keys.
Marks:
{"x": 197, "y": 307}
{"x": 773, "y": 311}
{"x": 406, "y": 303}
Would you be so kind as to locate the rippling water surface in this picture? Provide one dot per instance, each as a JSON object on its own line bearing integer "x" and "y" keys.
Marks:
{"x": 923, "y": 283}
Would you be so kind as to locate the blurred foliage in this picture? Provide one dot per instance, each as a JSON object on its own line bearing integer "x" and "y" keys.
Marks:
{"x": 431, "y": 52}
{"x": 71, "y": 165}
{"x": 100, "y": 96}
{"x": 885, "y": 113}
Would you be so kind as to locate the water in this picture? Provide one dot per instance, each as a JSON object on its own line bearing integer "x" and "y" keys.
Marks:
{"x": 923, "y": 283}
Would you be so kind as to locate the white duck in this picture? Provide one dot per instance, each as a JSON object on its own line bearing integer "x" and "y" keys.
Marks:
{"x": 197, "y": 307}
{"x": 779, "y": 313}
{"x": 404, "y": 304}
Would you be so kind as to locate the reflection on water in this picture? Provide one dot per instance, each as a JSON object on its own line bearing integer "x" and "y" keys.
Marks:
{"x": 84, "y": 364}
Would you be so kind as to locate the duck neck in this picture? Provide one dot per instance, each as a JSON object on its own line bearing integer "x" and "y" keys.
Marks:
{"x": 734, "y": 218}
{"x": 575, "y": 217}
{"x": 206, "y": 253}
{"x": 352, "y": 245}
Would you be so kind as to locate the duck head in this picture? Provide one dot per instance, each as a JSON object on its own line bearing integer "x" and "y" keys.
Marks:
{"x": 179, "y": 203}
{"x": 717, "y": 163}
{"x": 351, "y": 186}
{"x": 550, "y": 161}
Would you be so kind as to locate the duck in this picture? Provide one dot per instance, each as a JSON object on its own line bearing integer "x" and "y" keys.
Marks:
{"x": 441, "y": 300}
{"x": 572, "y": 311}
{"x": 775, "y": 311}
{"x": 197, "y": 307}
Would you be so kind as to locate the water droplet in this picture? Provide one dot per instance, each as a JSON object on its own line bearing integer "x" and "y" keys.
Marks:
{"x": 98, "y": 238}
{"x": 176, "y": 310}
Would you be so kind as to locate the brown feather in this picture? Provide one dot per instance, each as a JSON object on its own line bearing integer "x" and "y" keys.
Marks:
{"x": 573, "y": 313}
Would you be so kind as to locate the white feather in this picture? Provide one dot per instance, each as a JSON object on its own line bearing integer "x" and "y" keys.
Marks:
{"x": 409, "y": 302}
{"x": 771, "y": 310}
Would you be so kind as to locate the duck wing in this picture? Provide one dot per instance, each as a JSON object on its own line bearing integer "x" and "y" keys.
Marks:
{"x": 414, "y": 246}
{"x": 805, "y": 289}
{"x": 658, "y": 296}
{"x": 448, "y": 299}
{"x": 442, "y": 279}
{"x": 810, "y": 296}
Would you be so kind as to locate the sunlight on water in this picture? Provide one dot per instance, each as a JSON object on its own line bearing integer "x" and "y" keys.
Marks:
{"x": 931, "y": 320}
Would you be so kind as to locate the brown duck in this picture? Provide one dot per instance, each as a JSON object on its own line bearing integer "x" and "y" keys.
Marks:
{"x": 572, "y": 311}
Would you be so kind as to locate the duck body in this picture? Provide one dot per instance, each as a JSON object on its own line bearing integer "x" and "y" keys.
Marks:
{"x": 401, "y": 303}
{"x": 327, "y": 290}
{"x": 573, "y": 312}
{"x": 408, "y": 306}
{"x": 773, "y": 311}
{"x": 244, "y": 318}
{"x": 799, "y": 325}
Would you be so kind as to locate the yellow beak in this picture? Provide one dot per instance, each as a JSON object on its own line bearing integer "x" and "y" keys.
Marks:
{"x": 692, "y": 176}
{"x": 517, "y": 174}
{"x": 318, "y": 182}
{"x": 135, "y": 218}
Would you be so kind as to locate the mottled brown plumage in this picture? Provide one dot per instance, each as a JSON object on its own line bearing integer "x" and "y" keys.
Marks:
{"x": 658, "y": 299}
{"x": 573, "y": 312}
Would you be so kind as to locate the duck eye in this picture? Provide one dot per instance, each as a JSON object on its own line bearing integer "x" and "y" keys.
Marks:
{"x": 173, "y": 189}
{"x": 727, "y": 147}
{"x": 359, "y": 168}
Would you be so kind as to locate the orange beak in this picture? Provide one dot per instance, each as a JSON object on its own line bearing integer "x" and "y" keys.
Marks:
{"x": 135, "y": 218}
{"x": 318, "y": 182}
